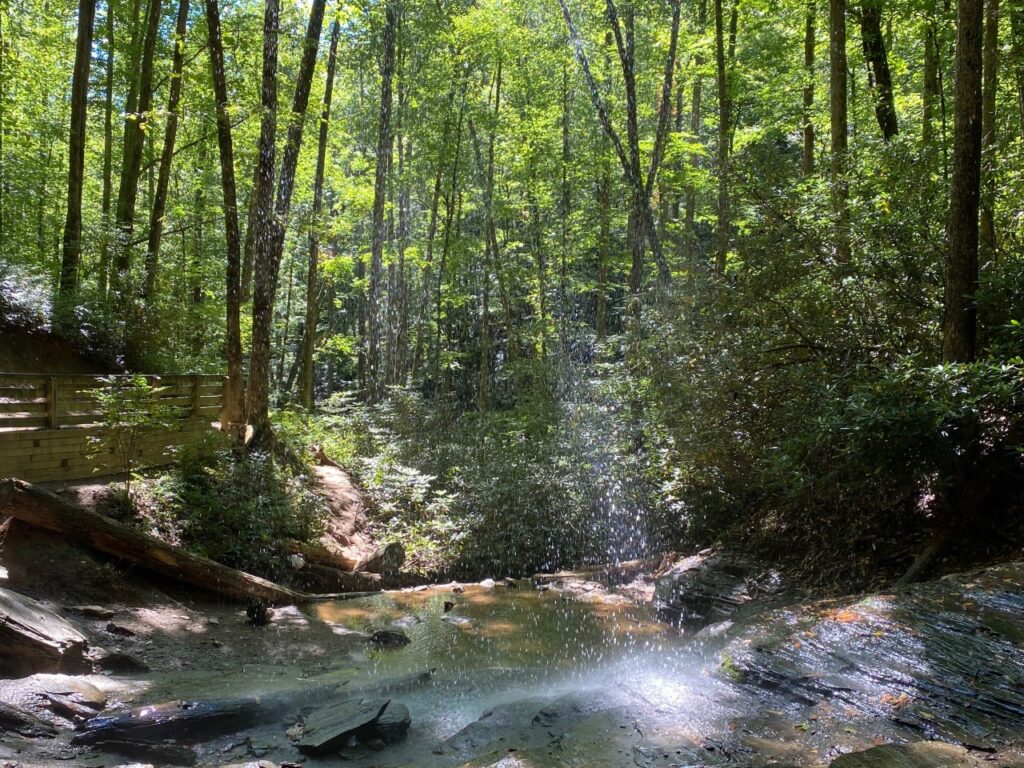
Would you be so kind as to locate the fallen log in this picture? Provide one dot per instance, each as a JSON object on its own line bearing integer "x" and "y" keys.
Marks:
{"x": 41, "y": 508}
{"x": 322, "y": 577}
{"x": 316, "y": 553}
{"x": 35, "y": 639}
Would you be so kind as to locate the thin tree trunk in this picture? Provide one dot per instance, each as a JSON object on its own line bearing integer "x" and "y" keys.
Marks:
{"x": 808, "y": 124}
{"x": 384, "y": 141}
{"x": 252, "y": 228}
{"x": 837, "y": 99}
{"x": 68, "y": 288}
{"x": 156, "y": 219}
{"x": 312, "y": 282}
{"x": 878, "y": 62}
{"x": 1017, "y": 51}
{"x": 697, "y": 129}
{"x": 960, "y": 322}
{"x": 990, "y": 81}
{"x": 604, "y": 206}
{"x": 724, "y": 108}
{"x": 135, "y": 125}
{"x": 232, "y": 411}
{"x": 108, "y": 155}
{"x": 930, "y": 87}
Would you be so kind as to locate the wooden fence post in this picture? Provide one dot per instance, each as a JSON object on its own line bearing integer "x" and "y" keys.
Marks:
{"x": 51, "y": 402}
{"x": 195, "y": 395}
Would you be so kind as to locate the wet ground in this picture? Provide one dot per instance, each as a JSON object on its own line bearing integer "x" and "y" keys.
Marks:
{"x": 523, "y": 678}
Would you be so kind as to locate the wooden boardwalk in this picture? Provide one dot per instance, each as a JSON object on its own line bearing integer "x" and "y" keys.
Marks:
{"x": 49, "y": 423}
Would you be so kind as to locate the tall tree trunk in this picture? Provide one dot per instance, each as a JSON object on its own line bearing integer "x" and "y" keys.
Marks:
{"x": 696, "y": 128}
{"x": 837, "y": 105}
{"x": 724, "y": 108}
{"x": 262, "y": 209}
{"x": 156, "y": 219}
{"x": 68, "y": 288}
{"x": 990, "y": 81}
{"x": 959, "y": 329}
{"x": 878, "y": 63}
{"x": 108, "y": 154}
{"x": 384, "y": 140}
{"x": 232, "y": 411}
{"x": 135, "y": 127}
{"x": 808, "y": 125}
{"x": 270, "y": 246}
{"x": 604, "y": 212}
{"x": 252, "y": 228}
{"x": 1017, "y": 51}
{"x": 312, "y": 282}
{"x": 930, "y": 86}
{"x": 565, "y": 204}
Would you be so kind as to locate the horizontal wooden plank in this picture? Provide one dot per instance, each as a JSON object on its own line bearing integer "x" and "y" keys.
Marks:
{"x": 22, "y": 406}
{"x": 28, "y": 420}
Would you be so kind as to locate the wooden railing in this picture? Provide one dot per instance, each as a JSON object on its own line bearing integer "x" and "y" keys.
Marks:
{"x": 31, "y": 401}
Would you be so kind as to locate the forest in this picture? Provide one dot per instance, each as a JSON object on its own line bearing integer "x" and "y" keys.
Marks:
{"x": 558, "y": 281}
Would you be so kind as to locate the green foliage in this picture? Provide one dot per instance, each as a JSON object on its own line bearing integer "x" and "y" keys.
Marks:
{"x": 238, "y": 509}
{"x": 129, "y": 407}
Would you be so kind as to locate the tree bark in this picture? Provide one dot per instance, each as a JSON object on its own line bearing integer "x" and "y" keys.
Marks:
{"x": 697, "y": 129}
{"x": 312, "y": 282}
{"x": 156, "y": 219}
{"x": 990, "y": 87}
{"x": 68, "y": 289}
{"x": 837, "y": 105}
{"x": 384, "y": 142}
{"x": 878, "y": 66}
{"x": 135, "y": 124}
{"x": 233, "y": 410}
{"x": 960, "y": 322}
{"x": 108, "y": 155}
{"x": 810, "y": 17}
{"x": 724, "y": 108}
{"x": 270, "y": 246}
{"x": 930, "y": 87}
{"x": 1017, "y": 50}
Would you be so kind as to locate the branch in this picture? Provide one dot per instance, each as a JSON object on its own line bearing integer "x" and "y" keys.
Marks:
{"x": 595, "y": 96}
{"x": 665, "y": 110}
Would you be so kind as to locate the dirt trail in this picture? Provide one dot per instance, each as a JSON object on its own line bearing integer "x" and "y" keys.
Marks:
{"x": 346, "y": 533}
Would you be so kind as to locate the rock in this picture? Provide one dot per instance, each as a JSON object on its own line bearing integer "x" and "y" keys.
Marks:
{"x": 487, "y": 583}
{"x": 448, "y": 605}
{"x": 328, "y": 730}
{"x": 393, "y": 725}
{"x": 511, "y": 583}
{"x": 121, "y": 631}
{"x": 406, "y": 621}
{"x": 458, "y": 621}
{"x": 389, "y": 638}
{"x": 3, "y": 575}
{"x": 160, "y": 752}
{"x": 119, "y": 663}
{"x": 919, "y": 754}
{"x": 943, "y": 658}
{"x": 35, "y": 639}
{"x": 81, "y": 691}
{"x": 296, "y": 562}
{"x": 94, "y": 611}
{"x": 710, "y": 587}
{"x": 15, "y": 720}
{"x": 458, "y": 589}
{"x": 258, "y": 613}
{"x": 385, "y": 560}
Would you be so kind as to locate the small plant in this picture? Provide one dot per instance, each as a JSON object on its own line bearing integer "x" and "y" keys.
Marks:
{"x": 128, "y": 406}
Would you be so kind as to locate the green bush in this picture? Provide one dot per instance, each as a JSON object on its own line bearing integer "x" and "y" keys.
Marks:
{"x": 238, "y": 509}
